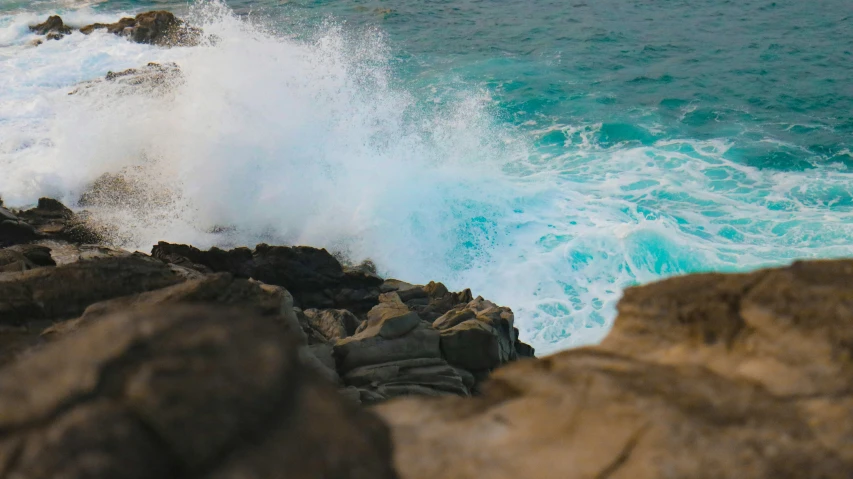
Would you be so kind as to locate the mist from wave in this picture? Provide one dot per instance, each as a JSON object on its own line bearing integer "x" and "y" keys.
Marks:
{"x": 311, "y": 137}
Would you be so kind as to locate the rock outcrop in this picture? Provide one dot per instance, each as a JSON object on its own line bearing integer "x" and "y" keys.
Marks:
{"x": 156, "y": 28}
{"x": 351, "y": 333}
{"x": 314, "y": 276}
{"x": 189, "y": 392}
{"x": 50, "y": 219}
{"x": 53, "y": 28}
{"x": 389, "y": 338}
{"x": 249, "y": 362}
{"x": 705, "y": 376}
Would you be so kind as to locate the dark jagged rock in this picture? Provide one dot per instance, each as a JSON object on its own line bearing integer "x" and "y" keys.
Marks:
{"x": 155, "y": 28}
{"x": 50, "y": 219}
{"x": 52, "y": 26}
{"x": 181, "y": 392}
{"x": 314, "y": 277}
{"x": 25, "y": 257}
{"x": 15, "y": 231}
{"x": 237, "y": 261}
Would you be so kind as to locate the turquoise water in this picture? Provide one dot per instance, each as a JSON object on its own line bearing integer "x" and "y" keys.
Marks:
{"x": 545, "y": 153}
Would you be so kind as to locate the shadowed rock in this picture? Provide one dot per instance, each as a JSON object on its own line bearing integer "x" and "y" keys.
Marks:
{"x": 53, "y": 294}
{"x": 187, "y": 392}
{"x": 314, "y": 276}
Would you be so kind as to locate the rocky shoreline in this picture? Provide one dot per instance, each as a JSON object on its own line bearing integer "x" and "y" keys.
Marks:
{"x": 285, "y": 361}
{"x": 277, "y": 349}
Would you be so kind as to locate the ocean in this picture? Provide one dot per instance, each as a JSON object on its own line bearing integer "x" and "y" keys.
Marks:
{"x": 546, "y": 154}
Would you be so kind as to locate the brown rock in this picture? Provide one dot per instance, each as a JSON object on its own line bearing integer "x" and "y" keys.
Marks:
{"x": 50, "y": 219}
{"x": 63, "y": 292}
{"x": 53, "y": 24}
{"x": 181, "y": 392}
{"x": 155, "y": 27}
{"x": 704, "y": 376}
{"x": 219, "y": 288}
{"x": 24, "y": 257}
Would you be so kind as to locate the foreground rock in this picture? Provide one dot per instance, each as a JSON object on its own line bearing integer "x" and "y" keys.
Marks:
{"x": 186, "y": 392}
{"x": 389, "y": 338}
{"x": 155, "y": 28}
{"x": 706, "y": 376}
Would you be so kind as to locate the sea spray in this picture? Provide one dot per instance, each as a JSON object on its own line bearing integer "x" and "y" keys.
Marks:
{"x": 313, "y": 136}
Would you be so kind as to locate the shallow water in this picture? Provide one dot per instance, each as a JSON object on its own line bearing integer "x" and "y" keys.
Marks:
{"x": 546, "y": 154}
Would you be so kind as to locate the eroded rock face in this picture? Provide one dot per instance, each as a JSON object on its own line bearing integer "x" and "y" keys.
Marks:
{"x": 155, "y": 28}
{"x": 187, "y": 392}
{"x": 221, "y": 288}
{"x": 704, "y": 376}
{"x": 52, "y": 294}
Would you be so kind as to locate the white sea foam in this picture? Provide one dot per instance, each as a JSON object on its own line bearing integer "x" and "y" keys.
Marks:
{"x": 315, "y": 141}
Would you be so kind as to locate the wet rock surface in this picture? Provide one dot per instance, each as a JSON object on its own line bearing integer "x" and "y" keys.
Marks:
{"x": 159, "y": 27}
{"x": 156, "y": 28}
{"x": 53, "y": 28}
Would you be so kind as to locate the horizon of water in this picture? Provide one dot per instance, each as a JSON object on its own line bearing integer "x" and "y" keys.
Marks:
{"x": 545, "y": 154}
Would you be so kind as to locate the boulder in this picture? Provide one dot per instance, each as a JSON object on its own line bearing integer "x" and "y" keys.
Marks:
{"x": 188, "y": 392}
{"x": 480, "y": 336}
{"x": 53, "y": 25}
{"x": 472, "y": 345}
{"x": 391, "y": 333}
{"x": 703, "y": 376}
{"x": 155, "y": 28}
{"x": 15, "y": 231}
{"x": 50, "y": 219}
{"x": 394, "y": 353}
{"x": 24, "y": 257}
{"x": 55, "y": 294}
{"x": 369, "y": 347}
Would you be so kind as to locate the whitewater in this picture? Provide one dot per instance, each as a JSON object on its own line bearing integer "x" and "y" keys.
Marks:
{"x": 317, "y": 134}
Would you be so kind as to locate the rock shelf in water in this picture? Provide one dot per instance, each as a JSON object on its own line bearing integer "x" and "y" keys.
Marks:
{"x": 155, "y": 28}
